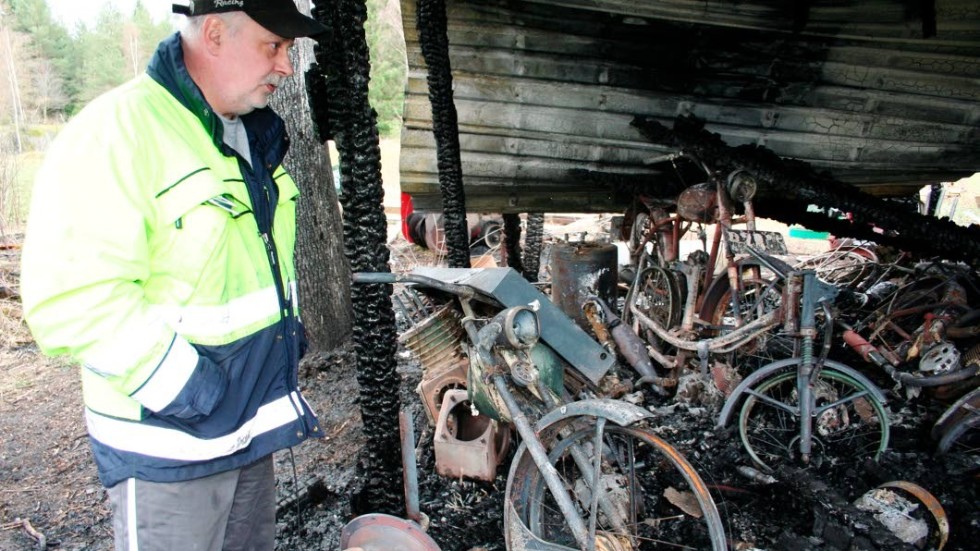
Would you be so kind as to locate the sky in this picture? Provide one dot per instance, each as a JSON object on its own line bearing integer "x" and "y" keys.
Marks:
{"x": 71, "y": 12}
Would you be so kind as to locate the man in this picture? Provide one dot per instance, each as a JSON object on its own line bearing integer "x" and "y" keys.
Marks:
{"x": 159, "y": 256}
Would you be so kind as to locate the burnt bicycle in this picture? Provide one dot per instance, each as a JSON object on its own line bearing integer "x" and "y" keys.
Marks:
{"x": 590, "y": 472}
{"x": 806, "y": 406}
{"x": 718, "y": 300}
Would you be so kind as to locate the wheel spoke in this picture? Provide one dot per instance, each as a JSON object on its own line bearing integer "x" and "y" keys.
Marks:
{"x": 845, "y": 429}
{"x": 597, "y": 484}
{"x": 625, "y": 476}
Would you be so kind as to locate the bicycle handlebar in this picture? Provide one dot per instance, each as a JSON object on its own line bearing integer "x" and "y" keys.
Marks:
{"x": 373, "y": 277}
{"x": 368, "y": 278}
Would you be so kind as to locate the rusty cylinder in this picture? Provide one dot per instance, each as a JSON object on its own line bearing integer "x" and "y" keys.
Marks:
{"x": 581, "y": 270}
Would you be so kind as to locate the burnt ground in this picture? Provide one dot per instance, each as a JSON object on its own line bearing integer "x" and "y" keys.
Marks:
{"x": 805, "y": 509}
{"x": 47, "y": 477}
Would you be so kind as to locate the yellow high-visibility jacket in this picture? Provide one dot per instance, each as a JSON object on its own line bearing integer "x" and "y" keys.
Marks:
{"x": 162, "y": 262}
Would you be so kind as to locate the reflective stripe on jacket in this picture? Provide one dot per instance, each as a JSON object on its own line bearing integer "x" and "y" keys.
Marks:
{"x": 162, "y": 262}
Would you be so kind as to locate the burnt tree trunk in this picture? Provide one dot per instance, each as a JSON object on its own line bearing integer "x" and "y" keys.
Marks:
{"x": 322, "y": 269}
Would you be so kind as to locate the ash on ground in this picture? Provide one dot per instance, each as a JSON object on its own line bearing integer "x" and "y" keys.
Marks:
{"x": 795, "y": 508}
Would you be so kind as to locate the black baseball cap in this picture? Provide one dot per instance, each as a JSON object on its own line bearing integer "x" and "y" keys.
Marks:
{"x": 278, "y": 16}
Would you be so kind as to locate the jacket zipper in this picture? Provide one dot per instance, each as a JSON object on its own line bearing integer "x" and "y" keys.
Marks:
{"x": 285, "y": 307}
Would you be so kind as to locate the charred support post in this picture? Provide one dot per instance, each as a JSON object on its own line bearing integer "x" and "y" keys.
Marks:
{"x": 532, "y": 245}
{"x": 512, "y": 241}
{"x": 343, "y": 65}
{"x": 789, "y": 186}
{"x": 935, "y": 192}
{"x": 928, "y": 17}
{"x": 445, "y": 125}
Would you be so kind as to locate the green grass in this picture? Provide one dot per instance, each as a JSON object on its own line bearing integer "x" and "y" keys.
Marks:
{"x": 20, "y": 169}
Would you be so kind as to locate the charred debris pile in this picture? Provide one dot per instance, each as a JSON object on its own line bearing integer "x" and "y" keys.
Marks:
{"x": 744, "y": 397}
{"x": 894, "y": 340}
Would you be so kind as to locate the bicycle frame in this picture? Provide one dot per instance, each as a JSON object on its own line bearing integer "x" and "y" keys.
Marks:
{"x": 699, "y": 281}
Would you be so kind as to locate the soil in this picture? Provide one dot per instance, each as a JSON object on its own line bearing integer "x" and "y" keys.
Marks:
{"x": 48, "y": 483}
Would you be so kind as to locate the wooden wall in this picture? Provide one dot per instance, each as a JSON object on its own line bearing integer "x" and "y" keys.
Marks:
{"x": 546, "y": 89}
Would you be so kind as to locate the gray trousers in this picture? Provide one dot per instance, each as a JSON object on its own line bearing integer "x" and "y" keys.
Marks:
{"x": 230, "y": 511}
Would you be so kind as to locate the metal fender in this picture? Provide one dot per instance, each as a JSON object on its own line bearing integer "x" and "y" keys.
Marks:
{"x": 781, "y": 365}
{"x": 619, "y": 412}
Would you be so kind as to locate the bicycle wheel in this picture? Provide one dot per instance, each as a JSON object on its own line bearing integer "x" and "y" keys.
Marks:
{"x": 849, "y": 423}
{"x": 653, "y": 497}
{"x": 657, "y": 295}
{"x": 758, "y": 295}
{"x": 958, "y": 430}
{"x": 650, "y": 235}
{"x": 637, "y": 235}
{"x": 757, "y": 298}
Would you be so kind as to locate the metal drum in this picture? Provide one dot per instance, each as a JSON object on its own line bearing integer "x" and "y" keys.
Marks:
{"x": 580, "y": 270}
{"x": 380, "y": 532}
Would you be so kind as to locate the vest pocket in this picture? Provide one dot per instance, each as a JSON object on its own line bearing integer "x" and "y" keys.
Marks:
{"x": 190, "y": 239}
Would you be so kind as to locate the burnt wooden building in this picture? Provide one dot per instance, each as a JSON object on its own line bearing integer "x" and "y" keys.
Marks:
{"x": 881, "y": 94}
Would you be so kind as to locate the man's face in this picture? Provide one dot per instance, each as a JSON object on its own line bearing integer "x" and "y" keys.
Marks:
{"x": 255, "y": 62}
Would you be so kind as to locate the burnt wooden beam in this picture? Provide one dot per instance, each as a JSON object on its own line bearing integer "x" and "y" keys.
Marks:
{"x": 545, "y": 89}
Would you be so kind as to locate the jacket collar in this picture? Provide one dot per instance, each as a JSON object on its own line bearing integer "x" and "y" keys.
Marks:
{"x": 266, "y": 131}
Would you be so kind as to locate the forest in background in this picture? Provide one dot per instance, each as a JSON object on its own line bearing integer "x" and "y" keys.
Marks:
{"x": 49, "y": 72}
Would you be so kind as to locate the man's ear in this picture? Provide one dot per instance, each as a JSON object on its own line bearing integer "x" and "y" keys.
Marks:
{"x": 213, "y": 31}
